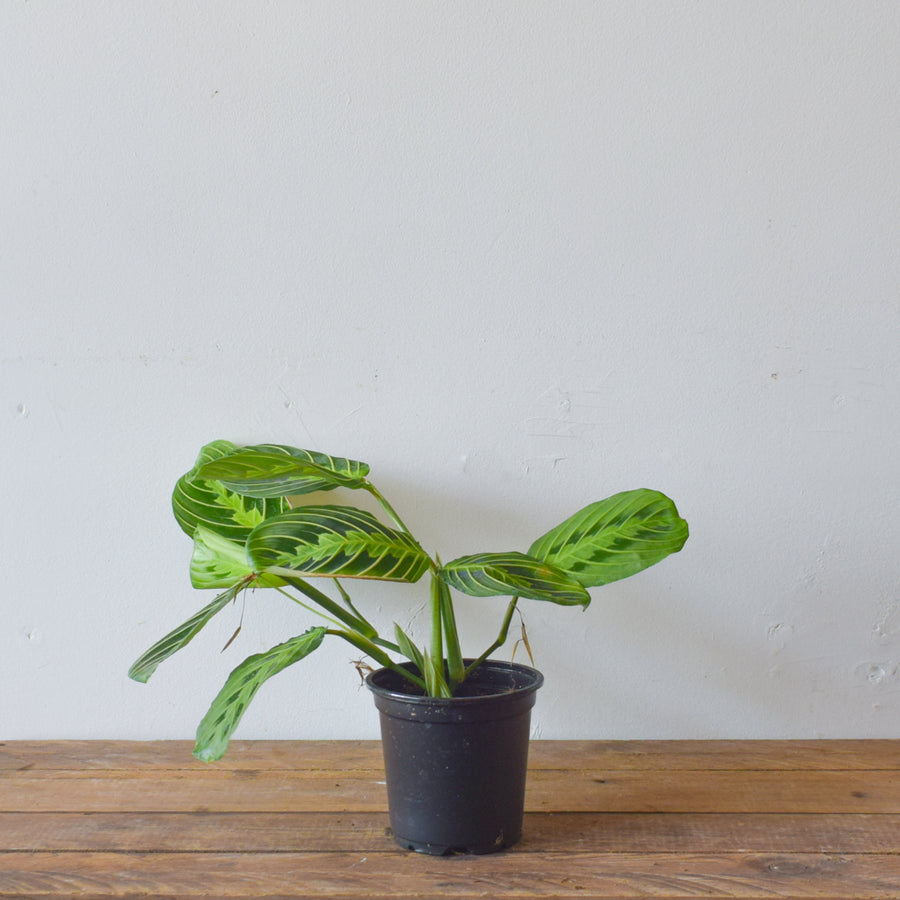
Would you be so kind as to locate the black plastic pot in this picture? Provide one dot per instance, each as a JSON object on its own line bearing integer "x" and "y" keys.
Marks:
{"x": 455, "y": 768}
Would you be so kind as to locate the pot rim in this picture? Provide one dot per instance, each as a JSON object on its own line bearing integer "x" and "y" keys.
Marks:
{"x": 534, "y": 681}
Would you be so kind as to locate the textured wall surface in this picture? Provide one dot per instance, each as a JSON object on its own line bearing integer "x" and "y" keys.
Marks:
{"x": 517, "y": 257}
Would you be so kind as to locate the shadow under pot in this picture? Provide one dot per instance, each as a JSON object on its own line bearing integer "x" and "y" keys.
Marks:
{"x": 456, "y": 767}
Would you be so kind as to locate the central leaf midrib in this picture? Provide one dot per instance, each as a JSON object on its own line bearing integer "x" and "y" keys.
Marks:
{"x": 330, "y": 545}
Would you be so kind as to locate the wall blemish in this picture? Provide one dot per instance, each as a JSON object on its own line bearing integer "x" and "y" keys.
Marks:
{"x": 888, "y": 624}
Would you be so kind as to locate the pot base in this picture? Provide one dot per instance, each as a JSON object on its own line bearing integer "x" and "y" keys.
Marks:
{"x": 444, "y": 850}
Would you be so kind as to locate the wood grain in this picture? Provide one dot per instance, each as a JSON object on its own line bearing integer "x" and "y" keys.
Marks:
{"x": 239, "y": 875}
{"x": 872, "y": 791}
{"x": 369, "y": 832}
{"x": 311, "y": 755}
{"x": 279, "y": 819}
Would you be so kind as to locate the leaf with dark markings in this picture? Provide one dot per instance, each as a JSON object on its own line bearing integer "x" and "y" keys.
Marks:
{"x": 338, "y": 541}
{"x": 275, "y": 470}
{"x": 214, "y": 732}
{"x": 513, "y": 574}
{"x": 614, "y": 538}
{"x": 207, "y": 503}
{"x": 148, "y": 662}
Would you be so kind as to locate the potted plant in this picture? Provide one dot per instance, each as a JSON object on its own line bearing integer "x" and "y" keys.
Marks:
{"x": 454, "y": 728}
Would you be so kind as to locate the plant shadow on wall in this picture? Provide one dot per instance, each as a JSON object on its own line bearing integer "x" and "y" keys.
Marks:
{"x": 245, "y": 512}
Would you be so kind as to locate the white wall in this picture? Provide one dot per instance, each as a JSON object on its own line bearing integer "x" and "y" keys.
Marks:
{"x": 516, "y": 256}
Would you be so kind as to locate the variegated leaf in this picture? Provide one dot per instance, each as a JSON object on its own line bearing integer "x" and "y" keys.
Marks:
{"x": 148, "y": 662}
{"x": 226, "y": 710}
{"x": 513, "y": 574}
{"x": 338, "y": 541}
{"x": 276, "y": 470}
{"x": 218, "y": 563}
{"x": 209, "y": 504}
{"x": 614, "y": 538}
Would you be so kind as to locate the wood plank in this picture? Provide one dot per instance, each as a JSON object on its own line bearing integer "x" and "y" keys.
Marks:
{"x": 184, "y": 791}
{"x": 155, "y": 755}
{"x": 344, "y": 875}
{"x": 312, "y": 755}
{"x": 715, "y": 792}
{"x": 548, "y": 791}
{"x": 369, "y": 832}
{"x": 715, "y": 755}
{"x": 606, "y": 819}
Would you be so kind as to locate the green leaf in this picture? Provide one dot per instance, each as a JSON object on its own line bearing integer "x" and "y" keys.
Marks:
{"x": 146, "y": 664}
{"x": 614, "y": 538}
{"x": 226, "y": 710}
{"x": 218, "y": 563}
{"x": 209, "y": 504}
{"x": 513, "y": 574}
{"x": 275, "y": 470}
{"x": 435, "y": 680}
{"x": 339, "y": 541}
{"x": 408, "y": 648}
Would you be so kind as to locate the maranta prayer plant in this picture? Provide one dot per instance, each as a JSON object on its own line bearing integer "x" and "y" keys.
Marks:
{"x": 243, "y": 508}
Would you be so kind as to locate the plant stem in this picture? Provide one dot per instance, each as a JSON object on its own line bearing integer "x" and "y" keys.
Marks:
{"x": 435, "y": 678}
{"x": 456, "y": 670}
{"x": 307, "y": 607}
{"x": 395, "y": 518}
{"x": 340, "y": 617}
{"x": 357, "y": 623}
{"x": 388, "y": 645}
{"x": 437, "y": 638}
{"x": 435, "y": 675}
{"x": 501, "y": 638}
{"x": 388, "y": 508}
{"x": 383, "y": 659}
{"x": 372, "y": 634}
{"x": 349, "y": 604}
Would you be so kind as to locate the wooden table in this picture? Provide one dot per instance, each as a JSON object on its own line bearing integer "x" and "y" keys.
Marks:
{"x": 307, "y": 819}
